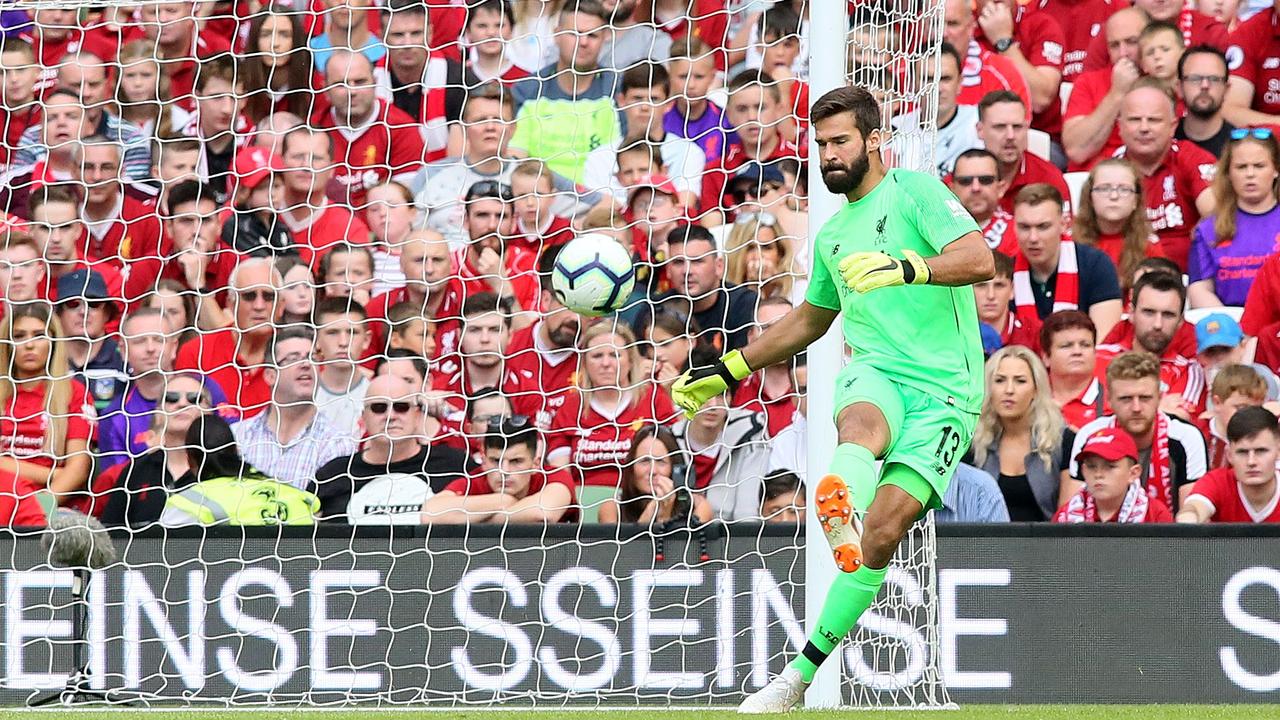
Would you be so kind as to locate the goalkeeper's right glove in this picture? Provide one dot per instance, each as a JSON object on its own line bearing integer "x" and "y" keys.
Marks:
{"x": 697, "y": 386}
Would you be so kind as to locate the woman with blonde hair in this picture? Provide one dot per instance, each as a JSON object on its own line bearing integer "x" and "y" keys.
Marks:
{"x": 759, "y": 258}
{"x": 594, "y": 428}
{"x": 44, "y": 421}
{"x": 1021, "y": 438}
{"x": 1227, "y": 248}
{"x": 1112, "y": 216}
{"x": 140, "y": 89}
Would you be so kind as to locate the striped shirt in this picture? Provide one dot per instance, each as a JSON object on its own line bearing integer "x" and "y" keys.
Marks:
{"x": 297, "y": 462}
{"x": 137, "y": 146}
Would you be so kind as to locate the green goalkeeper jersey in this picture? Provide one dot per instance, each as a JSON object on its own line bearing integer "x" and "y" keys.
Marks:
{"x": 923, "y": 336}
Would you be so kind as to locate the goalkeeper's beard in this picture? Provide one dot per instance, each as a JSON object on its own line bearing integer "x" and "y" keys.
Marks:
{"x": 844, "y": 179}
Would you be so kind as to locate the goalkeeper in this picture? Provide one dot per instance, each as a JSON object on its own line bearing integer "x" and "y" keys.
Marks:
{"x": 895, "y": 262}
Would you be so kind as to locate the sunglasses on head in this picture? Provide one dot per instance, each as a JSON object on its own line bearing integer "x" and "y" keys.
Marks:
{"x": 401, "y": 407}
{"x": 192, "y": 398}
{"x": 490, "y": 189}
{"x": 1258, "y": 133}
{"x": 500, "y": 423}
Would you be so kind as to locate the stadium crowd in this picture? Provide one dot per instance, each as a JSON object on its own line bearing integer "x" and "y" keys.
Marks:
{"x": 291, "y": 263}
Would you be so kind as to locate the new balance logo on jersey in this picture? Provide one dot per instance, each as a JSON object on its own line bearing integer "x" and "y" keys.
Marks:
{"x": 835, "y": 250}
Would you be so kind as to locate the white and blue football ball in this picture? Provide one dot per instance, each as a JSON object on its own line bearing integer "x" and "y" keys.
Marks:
{"x": 593, "y": 275}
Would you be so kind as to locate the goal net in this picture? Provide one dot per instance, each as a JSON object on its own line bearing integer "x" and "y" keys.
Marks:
{"x": 279, "y": 312}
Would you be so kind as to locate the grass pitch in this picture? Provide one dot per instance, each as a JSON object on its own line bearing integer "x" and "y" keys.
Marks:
{"x": 969, "y": 712}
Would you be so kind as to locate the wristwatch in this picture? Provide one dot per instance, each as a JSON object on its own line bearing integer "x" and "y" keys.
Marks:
{"x": 1003, "y": 44}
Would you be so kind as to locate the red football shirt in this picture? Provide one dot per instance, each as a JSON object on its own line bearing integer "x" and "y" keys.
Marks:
{"x": 478, "y": 484}
{"x": 777, "y": 411}
{"x": 388, "y": 146}
{"x": 1197, "y": 29}
{"x": 558, "y": 232}
{"x": 1041, "y": 40}
{"x": 1000, "y": 232}
{"x": 1221, "y": 491}
{"x": 1081, "y": 21}
{"x": 521, "y": 269}
{"x": 1178, "y": 375}
{"x": 553, "y": 372}
{"x": 182, "y": 71}
{"x": 1262, "y": 306}
{"x": 716, "y": 175}
{"x": 596, "y": 445}
{"x": 1086, "y": 94}
{"x": 1085, "y": 408}
{"x": 1254, "y": 55}
{"x": 1268, "y": 350}
{"x": 1035, "y": 169}
{"x": 19, "y": 506}
{"x": 985, "y": 72}
{"x": 1183, "y": 343}
{"x": 216, "y": 354}
{"x": 448, "y": 317}
{"x": 1171, "y": 193}
{"x": 518, "y": 389}
{"x": 329, "y": 225}
{"x": 51, "y": 54}
{"x": 25, "y": 422}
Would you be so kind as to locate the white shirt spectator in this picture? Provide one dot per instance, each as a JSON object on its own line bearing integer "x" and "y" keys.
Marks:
{"x": 342, "y": 410}
{"x": 682, "y": 157}
{"x": 957, "y": 136}
{"x": 296, "y": 463}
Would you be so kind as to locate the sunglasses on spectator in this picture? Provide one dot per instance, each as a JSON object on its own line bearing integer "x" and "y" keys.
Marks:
{"x": 1255, "y": 133}
{"x": 983, "y": 180}
{"x": 192, "y": 398}
{"x": 1114, "y": 190}
{"x": 499, "y": 423}
{"x": 399, "y": 406}
{"x": 255, "y": 295}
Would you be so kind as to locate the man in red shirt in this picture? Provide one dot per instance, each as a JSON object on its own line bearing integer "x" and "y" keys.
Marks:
{"x": 490, "y": 262}
{"x": 1089, "y": 131}
{"x": 1262, "y": 306}
{"x": 754, "y": 109}
{"x": 121, "y": 217}
{"x": 181, "y": 47}
{"x": 22, "y": 274}
{"x": 1002, "y": 125}
{"x": 418, "y": 76}
{"x": 55, "y": 36}
{"x": 977, "y": 183}
{"x": 545, "y": 353}
{"x": 768, "y": 391}
{"x": 514, "y": 487}
{"x": 1175, "y": 174}
{"x": 1081, "y": 21}
{"x": 1112, "y": 489}
{"x": 1253, "y": 92}
{"x": 56, "y": 227}
{"x": 1158, "y": 300}
{"x": 18, "y": 107}
{"x": 481, "y": 361}
{"x": 316, "y": 222}
{"x": 995, "y": 297}
{"x": 1034, "y": 42}
{"x": 1197, "y": 28}
{"x": 373, "y": 141}
{"x": 197, "y": 258}
{"x": 981, "y": 71}
{"x": 1246, "y": 492}
{"x": 234, "y": 356}
{"x": 430, "y": 286}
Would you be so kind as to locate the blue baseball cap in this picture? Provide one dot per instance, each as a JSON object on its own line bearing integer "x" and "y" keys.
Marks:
{"x": 1218, "y": 330}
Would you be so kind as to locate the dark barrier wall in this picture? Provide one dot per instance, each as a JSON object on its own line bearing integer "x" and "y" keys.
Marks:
{"x": 1028, "y": 615}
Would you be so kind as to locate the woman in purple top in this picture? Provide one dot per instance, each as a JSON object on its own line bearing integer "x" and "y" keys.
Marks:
{"x": 1229, "y": 247}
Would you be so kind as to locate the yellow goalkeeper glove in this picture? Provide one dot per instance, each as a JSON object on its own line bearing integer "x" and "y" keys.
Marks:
{"x": 867, "y": 271}
{"x": 698, "y": 385}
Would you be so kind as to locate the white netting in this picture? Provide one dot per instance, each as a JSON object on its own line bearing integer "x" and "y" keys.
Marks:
{"x": 342, "y": 256}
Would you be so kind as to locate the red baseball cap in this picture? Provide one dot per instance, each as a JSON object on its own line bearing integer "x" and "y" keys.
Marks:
{"x": 255, "y": 164}
{"x": 1109, "y": 444}
{"x": 658, "y": 182}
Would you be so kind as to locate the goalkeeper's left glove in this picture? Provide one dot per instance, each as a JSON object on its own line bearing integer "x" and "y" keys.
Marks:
{"x": 867, "y": 271}
{"x": 694, "y": 388}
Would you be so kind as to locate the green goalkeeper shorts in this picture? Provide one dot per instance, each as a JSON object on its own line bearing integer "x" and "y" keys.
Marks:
{"x": 926, "y": 434}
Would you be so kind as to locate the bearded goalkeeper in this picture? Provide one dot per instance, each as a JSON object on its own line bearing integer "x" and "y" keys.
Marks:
{"x": 895, "y": 262}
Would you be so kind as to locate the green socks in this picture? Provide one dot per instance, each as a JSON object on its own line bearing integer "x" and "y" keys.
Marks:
{"x": 857, "y": 467}
{"x": 850, "y": 596}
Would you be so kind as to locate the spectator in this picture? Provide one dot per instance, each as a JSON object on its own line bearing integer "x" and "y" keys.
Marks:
{"x": 759, "y": 259}
{"x": 1229, "y": 12}
{"x": 1234, "y": 387}
{"x": 346, "y": 271}
{"x": 49, "y": 158}
{"x": 277, "y": 65}
{"x": 655, "y": 486}
{"x": 1171, "y": 450}
{"x": 768, "y": 391}
{"x": 730, "y": 452}
{"x": 341, "y": 340}
{"x": 174, "y": 161}
{"x": 644, "y": 92}
{"x": 545, "y": 353}
{"x": 594, "y": 427}
{"x": 22, "y": 274}
{"x": 18, "y": 106}
{"x": 183, "y": 50}
{"x": 957, "y": 130}
{"x": 84, "y": 311}
{"x": 113, "y": 210}
{"x": 1246, "y": 492}
{"x": 789, "y": 449}
{"x": 419, "y": 78}
{"x": 724, "y": 312}
{"x": 410, "y": 331}
{"x": 1158, "y": 300}
{"x": 346, "y": 27}
{"x": 1160, "y": 46}
{"x": 537, "y": 227}
{"x": 972, "y": 497}
{"x": 655, "y": 212}
{"x": 216, "y": 122}
{"x": 1220, "y": 342}
{"x": 994, "y": 298}
{"x": 780, "y": 30}
{"x": 1229, "y": 247}
{"x": 486, "y": 40}
{"x": 45, "y": 416}
{"x": 254, "y": 228}
{"x": 631, "y": 42}
{"x": 671, "y": 335}
{"x": 137, "y": 485}
{"x": 977, "y": 183}
{"x": 1262, "y": 305}
{"x": 1175, "y": 175}
{"x": 392, "y": 416}
{"x": 373, "y": 140}
{"x": 390, "y": 213}
{"x": 1052, "y": 272}
{"x": 1112, "y": 218}
{"x": 1068, "y": 345}
{"x": 782, "y": 498}
{"x": 1089, "y": 128}
{"x": 299, "y": 292}
{"x": 292, "y": 439}
{"x": 482, "y": 408}
{"x": 179, "y": 309}
{"x": 481, "y": 360}
{"x": 56, "y": 227}
{"x": 513, "y": 487}
{"x": 233, "y": 356}
{"x": 1250, "y": 100}
{"x": 490, "y": 261}
{"x": 1080, "y": 22}
{"x": 982, "y": 71}
{"x": 430, "y": 288}
{"x": 1002, "y": 125}
{"x": 754, "y": 109}
{"x": 1033, "y": 42}
{"x": 1184, "y": 339}
{"x": 55, "y": 34}
{"x": 1197, "y": 28}
{"x": 228, "y": 490}
{"x": 1112, "y": 489}
{"x": 1202, "y": 82}
{"x": 693, "y": 116}
{"x": 149, "y": 342}
{"x": 560, "y": 124}
{"x": 315, "y": 221}
{"x": 1021, "y": 438}
{"x": 197, "y": 258}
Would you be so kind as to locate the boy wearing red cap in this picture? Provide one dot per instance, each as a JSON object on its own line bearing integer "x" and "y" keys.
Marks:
{"x": 1112, "y": 489}
{"x": 255, "y": 228}
{"x": 1246, "y": 492}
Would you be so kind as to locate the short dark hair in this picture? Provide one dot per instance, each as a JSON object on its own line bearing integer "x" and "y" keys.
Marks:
{"x": 1159, "y": 264}
{"x": 748, "y": 78}
{"x": 682, "y": 234}
{"x": 481, "y": 394}
{"x": 491, "y": 90}
{"x": 53, "y": 193}
{"x": 778, "y": 22}
{"x": 996, "y": 97}
{"x": 1038, "y": 194}
{"x": 1160, "y": 282}
{"x": 978, "y": 154}
{"x": 644, "y": 75}
{"x": 290, "y": 332}
{"x": 779, "y": 482}
{"x": 419, "y": 362}
{"x": 501, "y": 7}
{"x": 1202, "y": 50}
{"x": 593, "y": 8}
{"x": 191, "y": 191}
{"x": 485, "y": 303}
{"x": 1004, "y": 265}
{"x": 849, "y": 99}
{"x": 1062, "y": 321}
{"x": 949, "y": 49}
{"x": 337, "y": 306}
{"x": 1249, "y": 421}
{"x": 509, "y": 435}
{"x": 1158, "y": 26}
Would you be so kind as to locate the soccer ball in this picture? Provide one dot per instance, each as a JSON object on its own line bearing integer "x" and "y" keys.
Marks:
{"x": 593, "y": 274}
